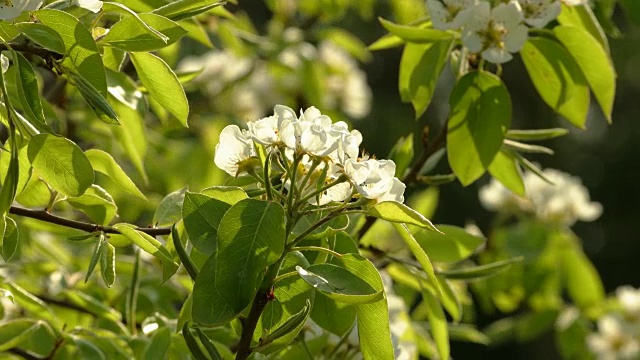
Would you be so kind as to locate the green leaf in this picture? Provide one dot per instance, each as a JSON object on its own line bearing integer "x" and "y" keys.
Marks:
{"x": 149, "y": 244}
{"x": 103, "y": 162}
{"x": 9, "y": 239}
{"x": 81, "y": 50}
{"x": 27, "y": 86}
{"x": 372, "y": 318}
{"x": 192, "y": 343}
{"x": 534, "y": 135}
{"x": 15, "y": 332}
{"x": 453, "y": 244}
{"x": 467, "y": 333}
{"x": 449, "y": 299}
{"x": 631, "y": 10}
{"x": 438, "y": 324}
{"x": 11, "y": 180}
{"x": 129, "y": 34}
{"x": 159, "y": 344}
{"x": 251, "y": 237}
{"x": 209, "y": 345}
{"x": 202, "y": 215}
{"x": 419, "y": 253}
{"x": 527, "y": 148}
{"x": 43, "y": 36}
{"x": 61, "y": 163}
{"x": 8, "y": 31}
{"x": 581, "y": 278}
{"x": 505, "y": 169}
{"x": 97, "y": 253}
{"x": 399, "y": 213}
{"x": 96, "y": 203}
{"x": 31, "y": 303}
{"x": 97, "y": 102}
{"x": 339, "y": 284}
{"x": 131, "y": 135}
{"x": 191, "y": 268}
{"x": 420, "y": 68}
{"x": 388, "y": 41}
{"x": 582, "y": 16}
{"x": 121, "y": 9}
{"x": 402, "y": 154}
{"x": 169, "y": 211}
{"x": 476, "y": 272}
{"x": 480, "y": 116}
{"x": 124, "y": 89}
{"x": 333, "y": 316}
{"x": 291, "y": 324}
{"x": 594, "y": 62}
{"x": 162, "y": 84}
{"x": 415, "y": 34}
{"x": 558, "y": 79}
{"x": 108, "y": 264}
{"x": 92, "y": 305}
{"x": 228, "y": 194}
{"x": 184, "y": 9}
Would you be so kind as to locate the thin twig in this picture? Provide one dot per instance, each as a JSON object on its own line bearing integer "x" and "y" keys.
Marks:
{"x": 46, "y": 216}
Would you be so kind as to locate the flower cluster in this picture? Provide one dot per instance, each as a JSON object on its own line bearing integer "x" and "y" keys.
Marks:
{"x": 310, "y": 147}
{"x": 618, "y": 333}
{"x": 563, "y": 201}
{"x": 493, "y": 32}
{"x": 258, "y": 84}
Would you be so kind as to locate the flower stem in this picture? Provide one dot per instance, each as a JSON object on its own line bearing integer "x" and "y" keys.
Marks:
{"x": 337, "y": 181}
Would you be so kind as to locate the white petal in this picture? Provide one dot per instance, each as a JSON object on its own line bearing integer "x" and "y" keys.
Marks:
{"x": 91, "y": 5}
{"x": 396, "y": 193}
{"x": 479, "y": 16}
{"x": 496, "y": 55}
{"x": 233, "y": 148}
{"x": 472, "y": 41}
{"x": 515, "y": 38}
{"x": 509, "y": 14}
{"x": 439, "y": 15}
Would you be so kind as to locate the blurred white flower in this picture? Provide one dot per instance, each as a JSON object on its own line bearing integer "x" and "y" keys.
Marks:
{"x": 234, "y": 148}
{"x": 449, "y": 14}
{"x": 11, "y": 9}
{"x": 564, "y": 202}
{"x": 219, "y": 68}
{"x": 613, "y": 341}
{"x": 538, "y": 13}
{"x": 629, "y": 299}
{"x": 495, "y": 33}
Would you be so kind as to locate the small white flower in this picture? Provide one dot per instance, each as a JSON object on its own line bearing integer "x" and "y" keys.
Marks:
{"x": 629, "y": 299}
{"x": 265, "y": 131}
{"x": 374, "y": 179}
{"x": 11, "y": 9}
{"x": 538, "y": 13}
{"x": 449, "y": 14}
{"x": 233, "y": 149}
{"x": 4, "y": 63}
{"x": 309, "y": 133}
{"x": 91, "y": 5}
{"x": 612, "y": 341}
{"x": 495, "y": 33}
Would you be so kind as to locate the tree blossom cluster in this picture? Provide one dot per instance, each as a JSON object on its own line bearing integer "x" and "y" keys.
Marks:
{"x": 618, "y": 332}
{"x": 310, "y": 147}
{"x": 10, "y": 10}
{"x": 494, "y": 32}
{"x": 258, "y": 84}
{"x": 563, "y": 200}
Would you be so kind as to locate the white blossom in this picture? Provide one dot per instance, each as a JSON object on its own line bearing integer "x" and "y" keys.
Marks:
{"x": 449, "y": 14}
{"x": 11, "y": 9}
{"x": 629, "y": 299}
{"x": 92, "y": 5}
{"x": 374, "y": 179}
{"x": 234, "y": 148}
{"x": 495, "y": 33}
{"x": 613, "y": 340}
{"x": 565, "y": 201}
{"x": 538, "y": 13}
{"x": 309, "y": 133}
{"x": 4, "y": 63}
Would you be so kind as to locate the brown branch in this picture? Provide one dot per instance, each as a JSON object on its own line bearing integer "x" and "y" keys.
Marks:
{"x": 32, "y": 49}
{"x": 430, "y": 148}
{"x": 46, "y": 216}
{"x": 24, "y": 354}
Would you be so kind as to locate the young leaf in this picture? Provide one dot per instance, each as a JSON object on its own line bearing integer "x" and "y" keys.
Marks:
{"x": 453, "y": 244}
{"x": 192, "y": 343}
{"x": 97, "y": 253}
{"x": 81, "y": 50}
{"x": 419, "y": 253}
{"x": 481, "y": 271}
{"x": 505, "y": 168}
{"x": 149, "y": 244}
{"x": 10, "y": 239}
{"x": 339, "y": 284}
{"x": 103, "y": 162}
{"x": 558, "y": 79}
{"x": 61, "y": 163}
{"x": 420, "y": 68}
{"x": 184, "y": 9}
{"x": 527, "y": 148}
{"x": 96, "y": 101}
{"x": 130, "y": 34}
{"x": 480, "y": 116}
{"x": 292, "y": 323}
{"x": 27, "y": 86}
{"x": 415, "y": 34}
{"x": 581, "y": 16}
{"x": 399, "y": 213}
{"x": 251, "y": 237}
{"x": 594, "y": 63}
{"x": 534, "y": 135}
{"x": 169, "y": 211}
{"x": 191, "y": 268}
{"x": 162, "y": 84}
{"x": 449, "y": 299}
{"x": 438, "y": 324}
{"x": 108, "y": 264}
{"x": 10, "y": 182}
{"x": 96, "y": 203}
